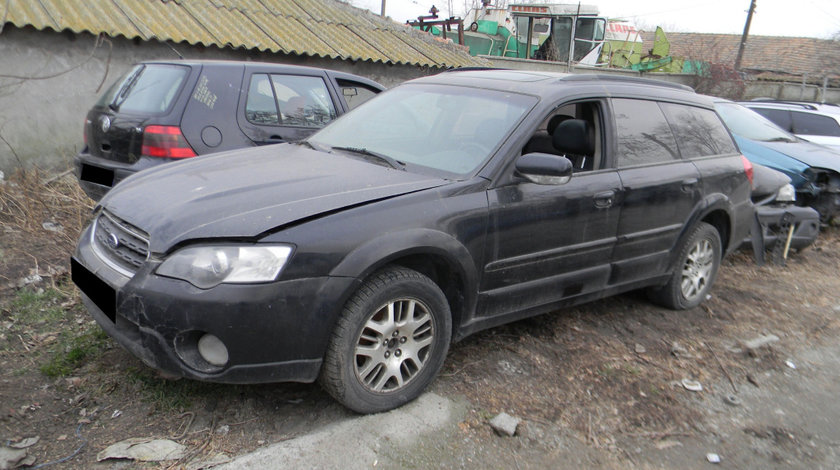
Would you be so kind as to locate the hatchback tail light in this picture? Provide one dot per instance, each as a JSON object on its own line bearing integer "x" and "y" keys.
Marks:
{"x": 165, "y": 142}
{"x": 748, "y": 169}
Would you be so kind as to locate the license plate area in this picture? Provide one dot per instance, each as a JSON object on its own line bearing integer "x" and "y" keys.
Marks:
{"x": 97, "y": 175}
{"x": 103, "y": 295}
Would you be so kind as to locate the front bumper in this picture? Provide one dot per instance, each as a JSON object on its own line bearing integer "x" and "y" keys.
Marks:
{"x": 776, "y": 221}
{"x": 274, "y": 332}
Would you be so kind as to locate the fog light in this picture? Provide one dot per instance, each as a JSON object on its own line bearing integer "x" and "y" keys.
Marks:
{"x": 213, "y": 350}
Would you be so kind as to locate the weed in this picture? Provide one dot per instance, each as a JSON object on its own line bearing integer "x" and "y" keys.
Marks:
{"x": 37, "y": 307}
{"x": 168, "y": 395}
{"x": 73, "y": 351}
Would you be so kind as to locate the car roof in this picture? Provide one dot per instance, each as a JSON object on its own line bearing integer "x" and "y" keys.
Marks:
{"x": 554, "y": 85}
{"x": 280, "y": 67}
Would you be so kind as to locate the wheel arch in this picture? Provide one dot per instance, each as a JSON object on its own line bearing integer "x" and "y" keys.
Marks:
{"x": 437, "y": 255}
{"x": 715, "y": 210}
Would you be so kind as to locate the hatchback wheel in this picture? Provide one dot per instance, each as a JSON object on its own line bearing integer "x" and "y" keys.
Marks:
{"x": 389, "y": 343}
{"x": 697, "y": 267}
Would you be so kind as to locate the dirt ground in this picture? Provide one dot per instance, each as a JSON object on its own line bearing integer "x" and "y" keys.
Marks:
{"x": 601, "y": 385}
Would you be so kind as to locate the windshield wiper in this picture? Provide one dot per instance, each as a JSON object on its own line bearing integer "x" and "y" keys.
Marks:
{"x": 393, "y": 163}
{"x": 781, "y": 139}
{"x": 123, "y": 93}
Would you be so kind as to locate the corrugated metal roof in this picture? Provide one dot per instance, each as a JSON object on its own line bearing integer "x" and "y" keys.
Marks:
{"x": 325, "y": 28}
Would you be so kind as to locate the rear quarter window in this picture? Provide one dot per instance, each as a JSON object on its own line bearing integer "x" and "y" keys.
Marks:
{"x": 699, "y": 132}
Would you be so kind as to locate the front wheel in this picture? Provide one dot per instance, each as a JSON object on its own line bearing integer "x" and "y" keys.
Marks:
{"x": 389, "y": 343}
{"x": 697, "y": 267}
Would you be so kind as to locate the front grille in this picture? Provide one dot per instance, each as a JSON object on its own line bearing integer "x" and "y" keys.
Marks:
{"x": 120, "y": 244}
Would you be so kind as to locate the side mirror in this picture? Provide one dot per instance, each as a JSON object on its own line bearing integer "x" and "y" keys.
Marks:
{"x": 544, "y": 168}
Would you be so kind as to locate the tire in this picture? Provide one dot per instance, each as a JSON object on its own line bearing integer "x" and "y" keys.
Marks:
{"x": 696, "y": 270}
{"x": 379, "y": 357}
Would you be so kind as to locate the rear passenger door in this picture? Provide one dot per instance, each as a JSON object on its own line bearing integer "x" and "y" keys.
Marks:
{"x": 660, "y": 190}
{"x": 275, "y": 106}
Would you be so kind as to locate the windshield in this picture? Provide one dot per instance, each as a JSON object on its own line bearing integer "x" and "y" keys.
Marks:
{"x": 449, "y": 129}
{"x": 748, "y": 124}
{"x": 146, "y": 89}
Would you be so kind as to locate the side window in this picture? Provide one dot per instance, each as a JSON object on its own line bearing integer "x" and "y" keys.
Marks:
{"x": 303, "y": 101}
{"x": 699, "y": 131}
{"x": 780, "y": 117}
{"x": 644, "y": 135}
{"x": 547, "y": 137}
{"x": 261, "y": 107}
{"x": 814, "y": 124}
{"x": 355, "y": 93}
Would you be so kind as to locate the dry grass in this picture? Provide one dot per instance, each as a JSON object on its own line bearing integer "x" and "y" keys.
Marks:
{"x": 41, "y": 217}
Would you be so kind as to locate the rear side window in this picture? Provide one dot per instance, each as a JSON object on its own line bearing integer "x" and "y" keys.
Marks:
{"x": 147, "y": 89}
{"x": 781, "y": 117}
{"x": 699, "y": 131}
{"x": 814, "y": 124}
{"x": 644, "y": 135}
{"x": 261, "y": 107}
{"x": 289, "y": 100}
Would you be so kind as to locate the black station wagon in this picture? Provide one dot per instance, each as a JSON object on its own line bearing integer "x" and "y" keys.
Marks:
{"x": 163, "y": 111}
{"x": 444, "y": 206}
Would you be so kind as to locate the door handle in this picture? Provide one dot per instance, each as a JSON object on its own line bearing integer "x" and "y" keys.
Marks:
{"x": 689, "y": 184}
{"x": 604, "y": 199}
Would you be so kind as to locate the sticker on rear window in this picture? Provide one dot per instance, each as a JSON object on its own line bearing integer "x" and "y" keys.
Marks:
{"x": 203, "y": 94}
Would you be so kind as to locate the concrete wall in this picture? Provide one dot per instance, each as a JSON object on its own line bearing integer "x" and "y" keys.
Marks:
{"x": 49, "y": 80}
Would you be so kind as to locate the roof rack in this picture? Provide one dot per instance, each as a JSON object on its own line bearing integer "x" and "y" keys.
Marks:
{"x": 626, "y": 79}
{"x": 810, "y": 105}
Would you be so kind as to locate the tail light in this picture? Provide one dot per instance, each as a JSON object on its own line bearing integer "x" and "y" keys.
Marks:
{"x": 165, "y": 142}
{"x": 748, "y": 169}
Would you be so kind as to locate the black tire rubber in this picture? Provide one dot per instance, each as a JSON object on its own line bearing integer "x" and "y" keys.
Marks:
{"x": 671, "y": 295}
{"x": 338, "y": 375}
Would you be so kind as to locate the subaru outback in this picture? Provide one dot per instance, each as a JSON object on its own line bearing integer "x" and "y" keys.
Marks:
{"x": 444, "y": 206}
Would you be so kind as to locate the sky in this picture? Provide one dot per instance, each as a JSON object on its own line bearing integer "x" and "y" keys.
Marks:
{"x": 805, "y": 18}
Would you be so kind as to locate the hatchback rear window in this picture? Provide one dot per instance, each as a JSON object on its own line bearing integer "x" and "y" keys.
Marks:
{"x": 149, "y": 89}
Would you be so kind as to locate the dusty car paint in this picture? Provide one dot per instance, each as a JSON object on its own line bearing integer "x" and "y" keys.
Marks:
{"x": 498, "y": 246}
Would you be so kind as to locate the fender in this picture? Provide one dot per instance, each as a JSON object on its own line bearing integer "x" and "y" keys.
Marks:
{"x": 378, "y": 252}
{"x": 704, "y": 207}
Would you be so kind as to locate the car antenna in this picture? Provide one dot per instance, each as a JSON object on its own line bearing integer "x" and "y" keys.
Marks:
{"x": 175, "y": 50}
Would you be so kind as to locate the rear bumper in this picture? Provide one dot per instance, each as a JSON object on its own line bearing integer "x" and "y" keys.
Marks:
{"x": 98, "y": 175}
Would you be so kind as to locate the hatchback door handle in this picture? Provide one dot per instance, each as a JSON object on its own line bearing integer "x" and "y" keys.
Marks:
{"x": 604, "y": 199}
{"x": 689, "y": 184}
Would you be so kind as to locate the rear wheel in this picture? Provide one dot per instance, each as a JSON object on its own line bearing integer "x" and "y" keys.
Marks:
{"x": 697, "y": 267}
{"x": 389, "y": 343}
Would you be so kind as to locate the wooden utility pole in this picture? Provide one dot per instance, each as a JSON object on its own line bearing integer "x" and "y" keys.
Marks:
{"x": 382, "y": 13}
{"x": 743, "y": 44}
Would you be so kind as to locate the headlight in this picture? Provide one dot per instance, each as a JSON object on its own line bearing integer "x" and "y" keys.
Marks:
{"x": 209, "y": 266}
{"x": 786, "y": 194}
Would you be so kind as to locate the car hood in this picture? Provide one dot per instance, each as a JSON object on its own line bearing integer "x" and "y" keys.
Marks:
{"x": 791, "y": 158}
{"x": 245, "y": 193}
{"x": 811, "y": 154}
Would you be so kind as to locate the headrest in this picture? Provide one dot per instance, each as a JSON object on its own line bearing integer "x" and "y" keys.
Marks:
{"x": 574, "y": 136}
